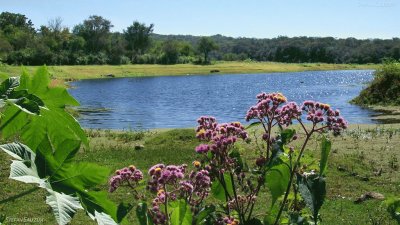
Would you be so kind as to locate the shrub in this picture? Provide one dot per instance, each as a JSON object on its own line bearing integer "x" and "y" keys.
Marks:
{"x": 384, "y": 89}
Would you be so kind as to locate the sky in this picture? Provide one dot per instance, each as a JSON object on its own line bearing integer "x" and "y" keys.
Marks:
{"x": 236, "y": 18}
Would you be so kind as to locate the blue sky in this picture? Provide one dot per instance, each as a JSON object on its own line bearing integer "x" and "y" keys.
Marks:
{"x": 236, "y": 18}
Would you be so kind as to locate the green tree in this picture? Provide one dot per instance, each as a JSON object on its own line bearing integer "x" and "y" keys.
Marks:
{"x": 138, "y": 37}
{"x": 205, "y": 46}
{"x": 56, "y": 38}
{"x": 18, "y": 30}
{"x": 96, "y": 32}
{"x": 186, "y": 49}
{"x": 170, "y": 50}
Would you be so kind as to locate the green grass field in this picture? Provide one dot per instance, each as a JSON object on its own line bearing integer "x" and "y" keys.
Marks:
{"x": 98, "y": 71}
{"x": 354, "y": 161}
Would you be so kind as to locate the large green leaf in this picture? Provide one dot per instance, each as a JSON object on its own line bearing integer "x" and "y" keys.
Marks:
{"x": 142, "y": 214}
{"x": 23, "y": 168}
{"x": 25, "y": 101}
{"x": 61, "y": 126}
{"x": 8, "y": 85}
{"x": 313, "y": 190}
{"x": 181, "y": 213}
{"x": 218, "y": 190}
{"x": 73, "y": 178}
{"x": 64, "y": 206}
{"x": 204, "y": 213}
{"x": 66, "y": 181}
{"x": 325, "y": 150}
{"x": 277, "y": 178}
{"x": 269, "y": 218}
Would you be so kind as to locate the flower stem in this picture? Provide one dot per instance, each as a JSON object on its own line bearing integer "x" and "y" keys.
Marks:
{"x": 292, "y": 176}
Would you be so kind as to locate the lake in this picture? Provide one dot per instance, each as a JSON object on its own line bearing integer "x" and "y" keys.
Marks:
{"x": 177, "y": 101}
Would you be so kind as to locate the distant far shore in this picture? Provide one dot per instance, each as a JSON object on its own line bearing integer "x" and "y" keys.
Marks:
{"x": 79, "y": 72}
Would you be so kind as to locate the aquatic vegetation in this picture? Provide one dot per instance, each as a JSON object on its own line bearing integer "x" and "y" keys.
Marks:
{"x": 222, "y": 174}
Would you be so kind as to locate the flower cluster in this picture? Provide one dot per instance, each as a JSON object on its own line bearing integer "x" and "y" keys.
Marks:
{"x": 162, "y": 175}
{"x": 221, "y": 136}
{"x": 267, "y": 106}
{"x": 158, "y": 216}
{"x": 288, "y": 112}
{"x": 322, "y": 113}
{"x": 228, "y": 220}
{"x": 201, "y": 183}
{"x": 205, "y": 128}
{"x": 242, "y": 201}
{"x": 129, "y": 175}
{"x": 169, "y": 183}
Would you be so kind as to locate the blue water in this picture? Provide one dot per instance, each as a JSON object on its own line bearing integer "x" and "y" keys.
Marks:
{"x": 177, "y": 101}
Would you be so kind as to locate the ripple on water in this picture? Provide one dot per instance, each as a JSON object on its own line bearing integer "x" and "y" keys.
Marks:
{"x": 177, "y": 101}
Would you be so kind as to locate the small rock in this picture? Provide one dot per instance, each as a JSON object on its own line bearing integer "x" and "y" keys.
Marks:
{"x": 369, "y": 195}
{"x": 214, "y": 71}
{"x": 378, "y": 173}
{"x": 138, "y": 147}
{"x": 109, "y": 75}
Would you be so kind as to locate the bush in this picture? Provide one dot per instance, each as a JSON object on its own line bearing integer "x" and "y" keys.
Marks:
{"x": 384, "y": 89}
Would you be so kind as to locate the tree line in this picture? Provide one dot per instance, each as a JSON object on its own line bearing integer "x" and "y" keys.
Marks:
{"x": 92, "y": 42}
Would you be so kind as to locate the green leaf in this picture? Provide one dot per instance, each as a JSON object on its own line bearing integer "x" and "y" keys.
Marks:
{"x": 64, "y": 206}
{"x": 313, "y": 190}
{"x": 8, "y": 85}
{"x": 27, "y": 102}
{"x": 181, "y": 213}
{"x": 296, "y": 219}
{"x": 204, "y": 214}
{"x": 253, "y": 125}
{"x": 218, "y": 190}
{"x": 23, "y": 168}
{"x": 57, "y": 122}
{"x": 235, "y": 154}
{"x": 103, "y": 218}
{"x": 253, "y": 221}
{"x": 142, "y": 215}
{"x": 325, "y": 150}
{"x": 277, "y": 179}
{"x": 270, "y": 217}
{"x": 287, "y": 135}
{"x": 76, "y": 179}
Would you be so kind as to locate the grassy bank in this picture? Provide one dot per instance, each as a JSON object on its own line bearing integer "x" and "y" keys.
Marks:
{"x": 99, "y": 71}
{"x": 355, "y": 162}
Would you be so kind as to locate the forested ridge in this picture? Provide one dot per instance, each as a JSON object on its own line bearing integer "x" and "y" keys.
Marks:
{"x": 92, "y": 42}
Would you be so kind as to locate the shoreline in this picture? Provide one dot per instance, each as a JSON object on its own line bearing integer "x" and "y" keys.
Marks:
{"x": 80, "y": 72}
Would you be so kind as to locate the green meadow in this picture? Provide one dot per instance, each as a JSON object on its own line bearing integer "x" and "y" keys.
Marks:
{"x": 364, "y": 159}
{"x": 69, "y": 73}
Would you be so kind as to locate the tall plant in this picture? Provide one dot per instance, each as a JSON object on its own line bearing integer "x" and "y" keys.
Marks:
{"x": 51, "y": 138}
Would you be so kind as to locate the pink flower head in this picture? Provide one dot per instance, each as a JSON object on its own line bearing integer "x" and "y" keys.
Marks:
{"x": 125, "y": 175}
{"x": 267, "y": 106}
{"x": 322, "y": 113}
